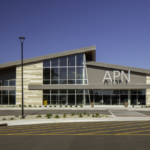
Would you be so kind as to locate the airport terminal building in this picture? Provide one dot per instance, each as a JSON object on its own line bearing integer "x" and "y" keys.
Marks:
{"x": 73, "y": 78}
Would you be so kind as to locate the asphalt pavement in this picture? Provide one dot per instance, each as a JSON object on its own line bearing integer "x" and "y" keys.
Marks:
{"x": 119, "y": 135}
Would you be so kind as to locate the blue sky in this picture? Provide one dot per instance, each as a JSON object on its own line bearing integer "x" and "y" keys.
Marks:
{"x": 120, "y": 29}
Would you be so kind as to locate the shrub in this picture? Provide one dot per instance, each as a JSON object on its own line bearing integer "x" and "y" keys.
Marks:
{"x": 39, "y": 116}
{"x": 72, "y": 114}
{"x": 4, "y": 118}
{"x": 66, "y": 106}
{"x": 45, "y": 106}
{"x": 19, "y": 105}
{"x": 48, "y": 116}
{"x": 133, "y": 106}
{"x": 16, "y": 116}
{"x": 57, "y": 116}
{"x": 60, "y": 106}
{"x": 81, "y": 106}
{"x": 93, "y": 115}
{"x": 11, "y": 118}
{"x": 64, "y": 115}
{"x": 96, "y": 115}
{"x": 76, "y": 106}
{"x": 25, "y": 106}
{"x": 70, "y": 105}
{"x": 142, "y": 106}
{"x": 55, "y": 106}
{"x": 40, "y": 106}
{"x": 88, "y": 114}
{"x": 50, "y": 106}
{"x": 80, "y": 115}
{"x": 84, "y": 113}
{"x": 30, "y": 105}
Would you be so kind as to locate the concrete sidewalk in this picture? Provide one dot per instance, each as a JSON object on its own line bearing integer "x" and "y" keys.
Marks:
{"x": 66, "y": 120}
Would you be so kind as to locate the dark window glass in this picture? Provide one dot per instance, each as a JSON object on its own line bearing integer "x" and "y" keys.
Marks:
{"x": 46, "y": 63}
{"x": 12, "y": 92}
{"x": 115, "y": 92}
{"x": 4, "y": 99}
{"x": 91, "y": 91}
{"x": 4, "y": 83}
{"x": 142, "y": 92}
{"x": 62, "y": 100}
{"x": 54, "y": 73}
{"x": 98, "y": 99}
{"x": 54, "y": 81}
{"x": 79, "y": 91}
{"x": 123, "y": 99}
{"x": 87, "y": 91}
{"x": 71, "y": 81}
{"x": 46, "y": 91}
{"x": 133, "y": 99}
{"x": 54, "y": 100}
{"x": 71, "y": 73}
{"x": 0, "y": 83}
{"x": 123, "y": 92}
{"x": 46, "y": 73}
{"x": 63, "y": 61}
{"x": 54, "y": 62}
{"x": 133, "y": 91}
{"x": 63, "y": 73}
{"x": 46, "y": 81}
{"x": 71, "y": 91}
{"x": 141, "y": 100}
{"x": 0, "y": 92}
{"x": 107, "y": 92}
{"x": 71, "y": 99}
{"x": 71, "y": 60}
{"x": 80, "y": 60}
{"x": 0, "y": 99}
{"x": 106, "y": 99}
{"x": 12, "y": 99}
{"x": 63, "y": 91}
{"x": 79, "y": 99}
{"x": 46, "y": 98}
{"x": 62, "y": 81}
{"x": 80, "y": 82}
{"x": 87, "y": 100}
{"x": 54, "y": 91}
{"x": 98, "y": 92}
{"x": 115, "y": 99}
{"x": 4, "y": 92}
{"x": 92, "y": 98}
{"x": 85, "y": 81}
{"x": 12, "y": 83}
{"x": 80, "y": 73}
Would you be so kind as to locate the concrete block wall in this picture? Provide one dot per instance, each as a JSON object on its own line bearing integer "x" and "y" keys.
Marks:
{"x": 148, "y": 90}
{"x": 32, "y": 74}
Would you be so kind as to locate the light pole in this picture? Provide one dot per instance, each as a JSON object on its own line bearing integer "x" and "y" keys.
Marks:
{"x": 22, "y": 40}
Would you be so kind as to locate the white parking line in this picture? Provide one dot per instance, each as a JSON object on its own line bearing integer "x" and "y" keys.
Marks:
{"x": 112, "y": 113}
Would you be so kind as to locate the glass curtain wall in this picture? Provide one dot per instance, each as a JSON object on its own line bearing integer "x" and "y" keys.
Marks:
{"x": 7, "y": 97}
{"x": 66, "y": 97}
{"x": 65, "y": 70}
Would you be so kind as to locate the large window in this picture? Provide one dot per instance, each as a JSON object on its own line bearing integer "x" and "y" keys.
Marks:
{"x": 7, "y": 82}
{"x": 65, "y": 70}
{"x": 7, "y": 97}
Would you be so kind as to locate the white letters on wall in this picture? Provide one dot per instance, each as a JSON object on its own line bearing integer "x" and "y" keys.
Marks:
{"x": 122, "y": 73}
{"x": 105, "y": 78}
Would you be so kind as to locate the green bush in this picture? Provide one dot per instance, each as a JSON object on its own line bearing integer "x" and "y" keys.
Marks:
{"x": 88, "y": 114}
{"x": 4, "y": 118}
{"x": 39, "y": 116}
{"x": 66, "y": 106}
{"x": 16, "y": 116}
{"x": 20, "y": 105}
{"x": 55, "y": 106}
{"x": 57, "y": 116}
{"x": 84, "y": 113}
{"x": 96, "y": 115}
{"x": 60, "y": 106}
{"x": 93, "y": 115}
{"x": 81, "y": 106}
{"x": 40, "y": 106}
{"x": 133, "y": 106}
{"x": 45, "y": 106}
{"x": 142, "y": 106}
{"x": 48, "y": 115}
{"x": 24, "y": 105}
{"x": 72, "y": 114}
{"x": 50, "y": 106}
{"x": 11, "y": 118}
{"x": 30, "y": 105}
{"x": 80, "y": 115}
{"x": 64, "y": 115}
{"x": 76, "y": 106}
{"x": 70, "y": 105}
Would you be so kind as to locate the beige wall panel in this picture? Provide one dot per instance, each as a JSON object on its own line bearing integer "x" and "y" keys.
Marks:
{"x": 32, "y": 74}
{"x": 148, "y": 90}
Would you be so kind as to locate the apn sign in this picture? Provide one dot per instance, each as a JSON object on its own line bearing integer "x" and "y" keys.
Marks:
{"x": 116, "y": 74}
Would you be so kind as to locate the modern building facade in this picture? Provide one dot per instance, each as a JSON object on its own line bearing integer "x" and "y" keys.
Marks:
{"x": 73, "y": 78}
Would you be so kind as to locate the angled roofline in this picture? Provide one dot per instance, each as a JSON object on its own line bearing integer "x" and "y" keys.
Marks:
{"x": 119, "y": 67}
{"x": 90, "y": 49}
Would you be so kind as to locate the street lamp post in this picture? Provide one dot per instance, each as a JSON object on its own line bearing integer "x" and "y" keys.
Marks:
{"x": 22, "y": 40}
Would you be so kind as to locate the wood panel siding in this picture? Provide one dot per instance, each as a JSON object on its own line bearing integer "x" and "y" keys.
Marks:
{"x": 32, "y": 74}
